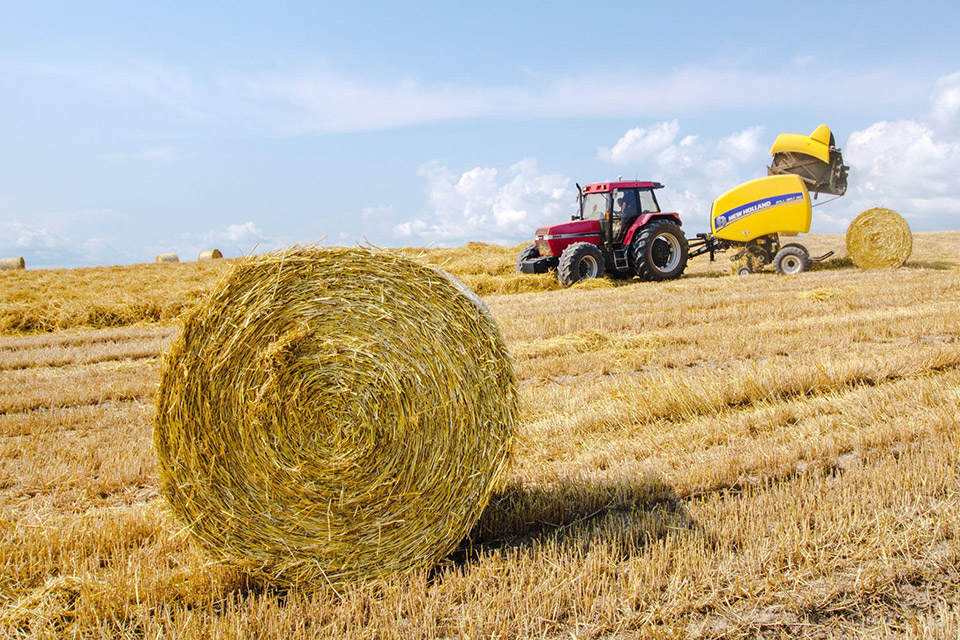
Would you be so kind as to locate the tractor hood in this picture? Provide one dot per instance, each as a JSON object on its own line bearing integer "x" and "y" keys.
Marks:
{"x": 575, "y": 227}
{"x": 552, "y": 240}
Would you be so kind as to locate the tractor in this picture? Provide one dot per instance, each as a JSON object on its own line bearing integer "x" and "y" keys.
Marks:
{"x": 619, "y": 229}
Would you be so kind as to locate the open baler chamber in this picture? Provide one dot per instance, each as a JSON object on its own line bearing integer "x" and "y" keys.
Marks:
{"x": 814, "y": 158}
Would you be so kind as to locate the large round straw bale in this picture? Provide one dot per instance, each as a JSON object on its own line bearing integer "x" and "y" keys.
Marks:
{"x": 879, "y": 238}
{"x": 212, "y": 254}
{"x": 334, "y": 415}
{"x": 12, "y": 263}
{"x": 167, "y": 257}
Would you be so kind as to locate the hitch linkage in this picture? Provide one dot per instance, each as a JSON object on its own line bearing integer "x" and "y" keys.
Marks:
{"x": 705, "y": 243}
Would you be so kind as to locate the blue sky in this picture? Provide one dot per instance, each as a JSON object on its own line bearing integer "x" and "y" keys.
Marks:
{"x": 127, "y": 129}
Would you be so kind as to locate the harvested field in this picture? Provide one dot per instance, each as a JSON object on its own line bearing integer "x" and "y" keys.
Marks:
{"x": 710, "y": 457}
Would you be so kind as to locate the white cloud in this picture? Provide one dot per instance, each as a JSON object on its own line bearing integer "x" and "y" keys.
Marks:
{"x": 638, "y": 144}
{"x": 483, "y": 204}
{"x": 694, "y": 170}
{"x": 244, "y": 233}
{"x": 910, "y": 165}
{"x": 945, "y": 103}
{"x": 232, "y": 239}
{"x": 319, "y": 99}
{"x": 45, "y": 245}
{"x": 907, "y": 166}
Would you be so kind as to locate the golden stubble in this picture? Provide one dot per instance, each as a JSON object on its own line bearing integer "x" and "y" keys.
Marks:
{"x": 712, "y": 457}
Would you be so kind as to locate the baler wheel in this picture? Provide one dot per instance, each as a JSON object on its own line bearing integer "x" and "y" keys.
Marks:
{"x": 578, "y": 262}
{"x": 791, "y": 261}
{"x": 796, "y": 244}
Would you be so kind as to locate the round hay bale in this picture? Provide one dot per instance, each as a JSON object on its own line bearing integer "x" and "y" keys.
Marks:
{"x": 213, "y": 254}
{"x": 334, "y": 415}
{"x": 12, "y": 263}
{"x": 167, "y": 257}
{"x": 879, "y": 238}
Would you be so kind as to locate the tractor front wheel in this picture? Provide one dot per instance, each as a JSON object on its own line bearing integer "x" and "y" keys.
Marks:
{"x": 529, "y": 252}
{"x": 578, "y": 262}
{"x": 659, "y": 251}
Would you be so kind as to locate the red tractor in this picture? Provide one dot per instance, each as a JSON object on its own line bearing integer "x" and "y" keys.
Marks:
{"x": 619, "y": 230}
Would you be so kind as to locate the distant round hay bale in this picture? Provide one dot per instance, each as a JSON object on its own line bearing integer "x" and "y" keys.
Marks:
{"x": 334, "y": 415}
{"x": 12, "y": 263}
{"x": 167, "y": 257}
{"x": 212, "y": 254}
{"x": 879, "y": 238}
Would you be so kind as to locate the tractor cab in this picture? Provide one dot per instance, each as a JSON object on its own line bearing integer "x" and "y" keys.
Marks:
{"x": 615, "y": 206}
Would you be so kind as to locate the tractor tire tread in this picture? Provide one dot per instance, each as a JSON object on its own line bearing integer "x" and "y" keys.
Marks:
{"x": 638, "y": 251}
{"x": 568, "y": 268}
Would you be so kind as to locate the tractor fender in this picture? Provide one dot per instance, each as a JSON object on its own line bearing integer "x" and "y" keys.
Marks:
{"x": 644, "y": 219}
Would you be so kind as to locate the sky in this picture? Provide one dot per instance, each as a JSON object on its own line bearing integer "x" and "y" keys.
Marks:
{"x": 129, "y": 129}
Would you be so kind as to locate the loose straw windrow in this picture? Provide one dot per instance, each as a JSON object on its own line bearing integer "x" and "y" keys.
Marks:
{"x": 167, "y": 257}
{"x": 879, "y": 238}
{"x": 213, "y": 254}
{"x": 12, "y": 263}
{"x": 334, "y": 415}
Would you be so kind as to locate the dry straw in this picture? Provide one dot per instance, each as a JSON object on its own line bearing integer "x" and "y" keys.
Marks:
{"x": 334, "y": 415}
{"x": 167, "y": 257}
{"x": 879, "y": 238}
{"x": 212, "y": 254}
{"x": 12, "y": 263}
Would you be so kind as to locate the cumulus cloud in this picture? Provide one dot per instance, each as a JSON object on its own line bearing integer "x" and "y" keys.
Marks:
{"x": 232, "y": 239}
{"x": 945, "y": 103}
{"x": 47, "y": 246}
{"x": 638, "y": 144}
{"x": 911, "y": 165}
{"x": 483, "y": 203}
{"x": 694, "y": 169}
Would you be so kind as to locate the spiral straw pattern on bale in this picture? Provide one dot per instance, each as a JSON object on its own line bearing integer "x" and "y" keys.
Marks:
{"x": 334, "y": 415}
{"x": 879, "y": 238}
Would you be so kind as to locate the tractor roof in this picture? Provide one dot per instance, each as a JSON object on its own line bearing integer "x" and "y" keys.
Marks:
{"x": 603, "y": 187}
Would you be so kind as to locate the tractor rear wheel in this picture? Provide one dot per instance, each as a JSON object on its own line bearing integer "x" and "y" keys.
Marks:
{"x": 529, "y": 252}
{"x": 659, "y": 251}
{"x": 578, "y": 262}
{"x": 791, "y": 260}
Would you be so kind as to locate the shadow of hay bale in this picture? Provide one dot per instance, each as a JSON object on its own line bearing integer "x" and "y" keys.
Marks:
{"x": 628, "y": 513}
{"x": 936, "y": 265}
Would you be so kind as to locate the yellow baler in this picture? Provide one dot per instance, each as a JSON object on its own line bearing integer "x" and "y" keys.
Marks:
{"x": 761, "y": 207}
{"x": 752, "y": 216}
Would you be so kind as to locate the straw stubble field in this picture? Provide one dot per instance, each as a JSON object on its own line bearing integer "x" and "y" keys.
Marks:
{"x": 711, "y": 457}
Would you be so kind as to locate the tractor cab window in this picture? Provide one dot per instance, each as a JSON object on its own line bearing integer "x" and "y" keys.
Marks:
{"x": 648, "y": 204}
{"x": 595, "y": 206}
{"x": 624, "y": 203}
